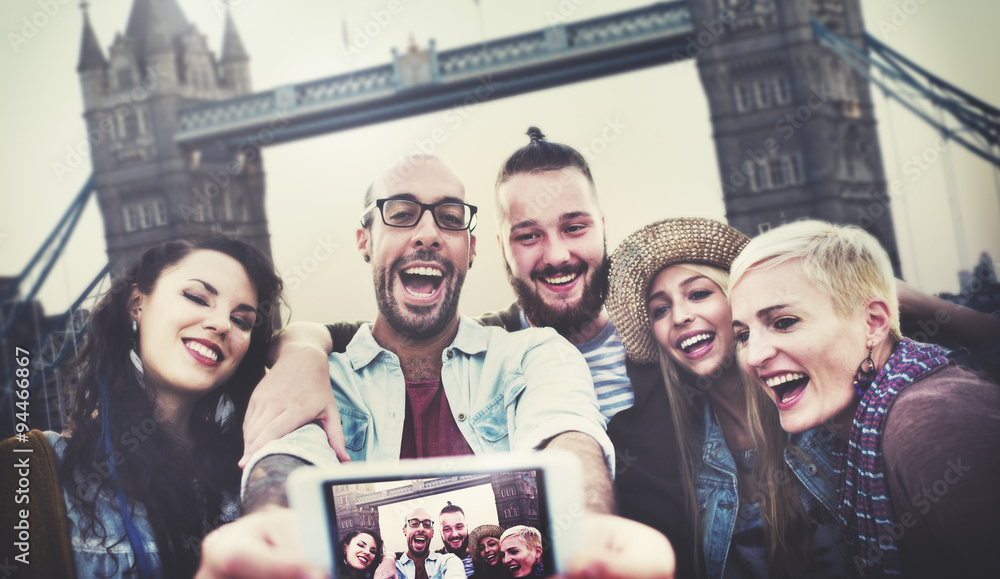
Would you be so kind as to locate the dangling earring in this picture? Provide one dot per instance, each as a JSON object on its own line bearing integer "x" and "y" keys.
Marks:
{"x": 134, "y": 355}
{"x": 863, "y": 377}
{"x": 224, "y": 411}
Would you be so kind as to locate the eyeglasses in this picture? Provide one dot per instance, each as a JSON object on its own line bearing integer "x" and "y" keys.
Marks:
{"x": 414, "y": 523}
{"x": 448, "y": 215}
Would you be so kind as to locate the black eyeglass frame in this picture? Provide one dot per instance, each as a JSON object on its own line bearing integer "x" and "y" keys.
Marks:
{"x": 420, "y": 523}
{"x": 380, "y": 203}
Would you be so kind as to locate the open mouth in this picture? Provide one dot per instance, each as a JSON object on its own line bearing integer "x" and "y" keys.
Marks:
{"x": 513, "y": 566}
{"x": 696, "y": 342}
{"x": 419, "y": 542}
{"x": 788, "y": 387}
{"x": 421, "y": 281}
{"x": 203, "y": 352}
{"x": 560, "y": 279}
{"x": 490, "y": 557}
{"x": 365, "y": 559}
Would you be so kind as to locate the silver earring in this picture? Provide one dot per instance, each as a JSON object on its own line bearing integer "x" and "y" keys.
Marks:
{"x": 224, "y": 411}
{"x": 134, "y": 356}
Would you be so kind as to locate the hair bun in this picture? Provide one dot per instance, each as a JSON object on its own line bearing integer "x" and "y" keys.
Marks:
{"x": 535, "y": 134}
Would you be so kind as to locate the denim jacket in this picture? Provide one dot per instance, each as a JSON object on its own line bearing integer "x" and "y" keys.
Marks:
{"x": 718, "y": 497}
{"x": 90, "y": 554}
{"x": 507, "y": 392}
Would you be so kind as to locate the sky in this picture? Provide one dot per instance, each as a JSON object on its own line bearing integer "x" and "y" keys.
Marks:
{"x": 661, "y": 163}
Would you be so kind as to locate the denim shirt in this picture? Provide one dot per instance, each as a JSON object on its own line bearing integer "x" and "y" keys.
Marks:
{"x": 718, "y": 497}
{"x": 437, "y": 565}
{"x": 507, "y": 392}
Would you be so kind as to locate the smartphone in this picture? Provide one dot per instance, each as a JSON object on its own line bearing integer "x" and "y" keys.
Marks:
{"x": 352, "y": 517}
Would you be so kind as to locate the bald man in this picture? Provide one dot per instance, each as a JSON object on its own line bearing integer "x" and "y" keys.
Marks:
{"x": 419, "y": 562}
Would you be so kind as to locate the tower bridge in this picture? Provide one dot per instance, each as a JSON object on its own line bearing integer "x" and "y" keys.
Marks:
{"x": 186, "y": 157}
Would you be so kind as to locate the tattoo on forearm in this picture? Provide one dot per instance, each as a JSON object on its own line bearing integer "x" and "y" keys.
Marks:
{"x": 266, "y": 485}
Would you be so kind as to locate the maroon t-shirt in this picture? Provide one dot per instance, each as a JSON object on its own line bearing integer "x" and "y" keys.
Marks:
{"x": 429, "y": 429}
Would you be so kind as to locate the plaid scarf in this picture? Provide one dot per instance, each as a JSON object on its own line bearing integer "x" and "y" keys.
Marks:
{"x": 864, "y": 506}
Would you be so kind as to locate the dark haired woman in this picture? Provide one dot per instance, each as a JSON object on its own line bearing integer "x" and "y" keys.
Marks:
{"x": 148, "y": 463}
{"x": 360, "y": 554}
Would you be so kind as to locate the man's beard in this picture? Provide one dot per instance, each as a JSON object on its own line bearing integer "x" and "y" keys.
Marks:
{"x": 417, "y": 322}
{"x": 412, "y": 549}
{"x": 464, "y": 548}
{"x": 567, "y": 321}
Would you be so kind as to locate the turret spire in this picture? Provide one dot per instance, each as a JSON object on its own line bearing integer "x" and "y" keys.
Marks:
{"x": 91, "y": 55}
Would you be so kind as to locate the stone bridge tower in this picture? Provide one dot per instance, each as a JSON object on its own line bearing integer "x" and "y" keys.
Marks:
{"x": 794, "y": 126}
{"x": 149, "y": 189}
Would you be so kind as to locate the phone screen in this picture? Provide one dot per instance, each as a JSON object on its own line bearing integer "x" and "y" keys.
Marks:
{"x": 414, "y": 518}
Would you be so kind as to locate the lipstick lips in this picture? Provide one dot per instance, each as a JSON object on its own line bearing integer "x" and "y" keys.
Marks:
{"x": 204, "y": 351}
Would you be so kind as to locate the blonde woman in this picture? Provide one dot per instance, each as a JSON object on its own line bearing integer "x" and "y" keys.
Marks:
{"x": 918, "y": 453}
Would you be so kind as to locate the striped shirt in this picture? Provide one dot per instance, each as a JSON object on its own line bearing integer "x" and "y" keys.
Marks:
{"x": 605, "y": 355}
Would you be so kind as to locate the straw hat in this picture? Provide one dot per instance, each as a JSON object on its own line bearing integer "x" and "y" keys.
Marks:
{"x": 643, "y": 254}
{"x": 480, "y": 533}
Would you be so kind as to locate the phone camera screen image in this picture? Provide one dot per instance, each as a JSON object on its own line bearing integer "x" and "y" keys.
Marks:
{"x": 496, "y": 524}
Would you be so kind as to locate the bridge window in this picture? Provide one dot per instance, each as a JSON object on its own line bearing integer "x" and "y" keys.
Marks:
{"x": 782, "y": 90}
{"x": 131, "y": 125}
{"x": 511, "y": 512}
{"x": 131, "y": 218}
{"x": 793, "y": 169}
{"x": 125, "y": 80}
{"x": 159, "y": 212}
{"x": 146, "y": 218}
{"x": 744, "y": 97}
{"x": 756, "y": 175}
{"x": 777, "y": 169}
{"x": 763, "y": 91}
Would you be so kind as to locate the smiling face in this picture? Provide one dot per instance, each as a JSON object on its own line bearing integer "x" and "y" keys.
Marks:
{"x": 360, "y": 552}
{"x": 418, "y": 539}
{"x": 552, "y": 237}
{"x": 792, "y": 342}
{"x": 418, "y": 271}
{"x": 518, "y": 557}
{"x": 489, "y": 550}
{"x": 194, "y": 327}
{"x": 691, "y": 320}
{"x": 455, "y": 533}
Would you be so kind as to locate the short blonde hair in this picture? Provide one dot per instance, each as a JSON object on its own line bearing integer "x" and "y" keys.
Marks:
{"x": 842, "y": 260}
{"x": 528, "y": 535}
